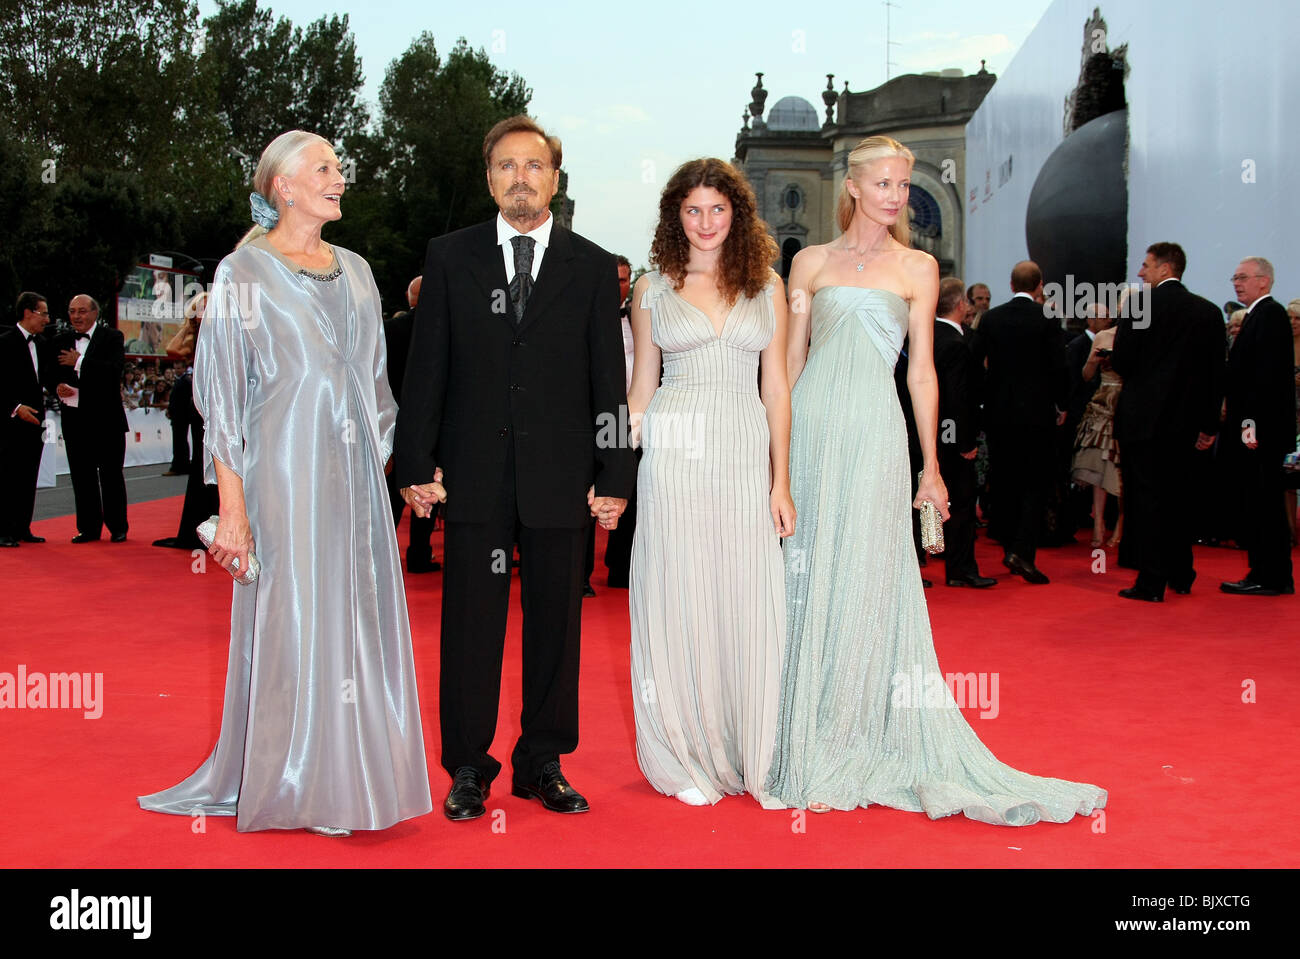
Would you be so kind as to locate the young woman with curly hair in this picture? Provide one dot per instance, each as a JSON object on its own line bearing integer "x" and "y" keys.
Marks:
{"x": 707, "y": 587}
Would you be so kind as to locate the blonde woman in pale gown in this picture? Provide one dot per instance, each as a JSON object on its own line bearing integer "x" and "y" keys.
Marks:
{"x": 859, "y": 721}
{"x": 706, "y": 585}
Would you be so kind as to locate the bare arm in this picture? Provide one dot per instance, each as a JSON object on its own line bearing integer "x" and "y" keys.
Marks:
{"x": 1105, "y": 340}
{"x": 922, "y": 383}
{"x": 802, "y": 271}
{"x": 234, "y": 539}
{"x": 775, "y": 394}
{"x": 646, "y": 361}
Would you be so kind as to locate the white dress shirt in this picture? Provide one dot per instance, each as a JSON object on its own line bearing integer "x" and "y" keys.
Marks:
{"x": 541, "y": 237}
{"x": 36, "y": 367}
{"x": 81, "y": 344}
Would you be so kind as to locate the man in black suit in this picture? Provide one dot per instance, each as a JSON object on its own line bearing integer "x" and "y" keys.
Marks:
{"x": 397, "y": 337}
{"x": 1259, "y": 430}
{"x": 1169, "y": 350}
{"x": 959, "y": 396}
{"x": 26, "y": 371}
{"x": 509, "y": 415}
{"x": 94, "y": 423}
{"x": 1026, "y": 396}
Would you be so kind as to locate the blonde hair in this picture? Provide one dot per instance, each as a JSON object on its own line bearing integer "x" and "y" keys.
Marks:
{"x": 281, "y": 157}
{"x": 868, "y": 151}
{"x": 196, "y": 305}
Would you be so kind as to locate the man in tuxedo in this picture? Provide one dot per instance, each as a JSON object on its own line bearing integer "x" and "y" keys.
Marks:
{"x": 959, "y": 396}
{"x": 26, "y": 371}
{"x": 513, "y": 384}
{"x": 1259, "y": 430}
{"x": 89, "y": 373}
{"x": 1170, "y": 353}
{"x": 397, "y": 337}
{"x": 1026, "y": 396}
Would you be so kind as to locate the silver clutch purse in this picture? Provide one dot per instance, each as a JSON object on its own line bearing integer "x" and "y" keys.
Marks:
{"x": 207, "y": 532}
{"x": 931, "y": 527}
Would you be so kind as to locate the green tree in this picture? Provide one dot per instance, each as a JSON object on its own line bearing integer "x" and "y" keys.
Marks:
{"x": 99, "y": 111}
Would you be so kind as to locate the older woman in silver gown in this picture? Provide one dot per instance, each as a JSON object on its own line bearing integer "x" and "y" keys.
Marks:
{"x": 321, "y": 723}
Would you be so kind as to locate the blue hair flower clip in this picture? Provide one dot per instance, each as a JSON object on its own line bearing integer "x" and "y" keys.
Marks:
{"x": 264, "y": 215}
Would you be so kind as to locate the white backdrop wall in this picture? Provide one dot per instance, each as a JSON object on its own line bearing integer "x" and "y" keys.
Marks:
{"x": 1210, "y": 87}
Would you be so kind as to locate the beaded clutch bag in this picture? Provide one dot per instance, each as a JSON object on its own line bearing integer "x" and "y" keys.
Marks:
{"x": 207, "y": 532}
{"x": 931, "y": 527}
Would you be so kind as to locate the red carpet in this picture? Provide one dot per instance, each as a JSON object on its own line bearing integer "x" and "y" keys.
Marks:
{"x": 1146, "y": 701}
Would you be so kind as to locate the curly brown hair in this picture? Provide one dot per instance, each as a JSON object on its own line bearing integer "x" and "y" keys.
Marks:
{"x": 749, "y": 250}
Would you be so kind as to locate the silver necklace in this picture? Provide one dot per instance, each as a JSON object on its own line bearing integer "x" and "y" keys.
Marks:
{"x": 861, "y": 263}
{"x": 323, "y": 277}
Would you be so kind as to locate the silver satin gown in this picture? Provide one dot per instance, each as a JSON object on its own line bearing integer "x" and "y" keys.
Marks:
{"x": 707, "y": 598}
{"x": 856, "y": 726}
{"x": 321, "y": 722}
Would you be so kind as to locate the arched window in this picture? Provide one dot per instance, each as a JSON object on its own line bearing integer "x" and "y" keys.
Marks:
{"x": 788, "y": 249}
{"x": 926, "y": 218}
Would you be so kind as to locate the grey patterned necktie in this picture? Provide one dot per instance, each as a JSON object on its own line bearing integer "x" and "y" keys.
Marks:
{"x": 522, "y": 284}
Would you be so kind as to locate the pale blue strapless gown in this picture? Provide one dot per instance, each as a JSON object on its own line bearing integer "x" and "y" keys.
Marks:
{"x": 855, "y": 725}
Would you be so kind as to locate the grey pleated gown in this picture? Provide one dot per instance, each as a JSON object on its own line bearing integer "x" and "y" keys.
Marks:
{"x": 321, "y": 723}
{"x": 856, "y": 727}
{"x": 707, "y": 594}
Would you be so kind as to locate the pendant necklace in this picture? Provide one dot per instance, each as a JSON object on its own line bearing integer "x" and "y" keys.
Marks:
{"x": 861, "y": 263}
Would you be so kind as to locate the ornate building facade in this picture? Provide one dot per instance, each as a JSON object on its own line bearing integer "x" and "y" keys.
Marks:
{"x": 796, "y": 160}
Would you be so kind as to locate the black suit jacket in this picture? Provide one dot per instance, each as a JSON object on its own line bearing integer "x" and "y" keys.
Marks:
{"x": 397, "y": 341}
{"x": 1081, "y": 390}
{"x": 19, "y": 383}
{"x": 551, "y": 387}
{"x": 1260, "y": 383}
{"x": 960, "y": 379}
{"x": 1027, "y": 379}
{"x": 1173, "y": 369}
{"x": 99, "y": 407}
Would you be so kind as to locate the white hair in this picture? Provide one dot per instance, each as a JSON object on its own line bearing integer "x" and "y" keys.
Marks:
{"x": 282, "y": 157}
{"x": 1261, "y": 264}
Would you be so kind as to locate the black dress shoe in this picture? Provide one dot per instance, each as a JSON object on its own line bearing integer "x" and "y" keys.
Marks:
{"x": 423, "y": 566}
{"x": 1029, "y": 571}
{"x": 1134, "y": 593}
{"x": 171, "y": 542}
{"x": 978, "y": 582}
{"x": 29, "y": 538}
{"x": 587, "y": 591}
{"x": 117, "y": 538}
{"x": 1182, "y": 589}
{"x": 85, "y": 538}
{"x": 469, "y": 790}
{"x": 1248, "y": 587}
{"x": 7, "y": 541}
{"x": 553, "y": 790}
{"x": 926, "y": 583}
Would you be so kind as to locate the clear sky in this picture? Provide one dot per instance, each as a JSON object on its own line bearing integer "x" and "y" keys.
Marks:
{"x": 635, "y": 89}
